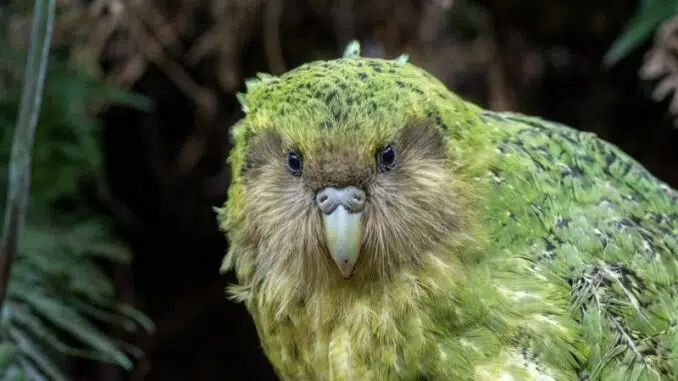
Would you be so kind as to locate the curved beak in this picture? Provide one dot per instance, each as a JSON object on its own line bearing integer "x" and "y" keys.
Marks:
{"x": 342, "y": 231}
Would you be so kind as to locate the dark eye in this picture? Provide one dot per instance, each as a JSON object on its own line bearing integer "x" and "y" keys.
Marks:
{"x": 294, "y": 163}
{"x": 386, "y": 158}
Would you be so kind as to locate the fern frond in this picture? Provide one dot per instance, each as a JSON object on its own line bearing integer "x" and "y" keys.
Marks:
{"x": 61, "y": 299}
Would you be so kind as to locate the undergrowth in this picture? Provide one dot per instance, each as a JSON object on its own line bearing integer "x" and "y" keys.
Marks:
{"x": 61, "y": 301}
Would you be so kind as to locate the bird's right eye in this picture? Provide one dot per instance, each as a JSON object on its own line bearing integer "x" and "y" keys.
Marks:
{"x": 386, "y": 158}
{"x": 294, "y": 163}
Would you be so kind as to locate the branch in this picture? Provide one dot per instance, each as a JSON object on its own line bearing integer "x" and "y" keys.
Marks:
{"x": 20, "y": 161}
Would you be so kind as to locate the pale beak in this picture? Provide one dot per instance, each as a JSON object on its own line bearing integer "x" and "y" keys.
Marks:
{"x": 342, "y": 210}
{"x": 342, "y": 231}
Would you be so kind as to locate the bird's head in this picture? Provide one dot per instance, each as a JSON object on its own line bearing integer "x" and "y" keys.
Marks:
{"x": 343, "y": 171}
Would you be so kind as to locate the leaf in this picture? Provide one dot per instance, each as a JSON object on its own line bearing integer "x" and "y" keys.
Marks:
{"x": 104, "y": 315}
{"x": 649, "y": 14}
{"x": 113, "y": 251}
{"x": 80, "y": 85}
{"x": 35, "y": 354}
{"x": 8, "y": 354}
{"x": 24, "y": 318}
{"x": 137, "y": 316}
{"x": 71, "y": 322}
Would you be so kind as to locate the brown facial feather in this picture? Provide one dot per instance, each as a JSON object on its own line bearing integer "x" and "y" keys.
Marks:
{"x": 410, "y": 209}
{"x": 333, "y": 165}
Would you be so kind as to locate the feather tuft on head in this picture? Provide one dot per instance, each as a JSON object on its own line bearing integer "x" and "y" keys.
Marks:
{"x": 403, "y": 58}
{"x": 352, "y": 49}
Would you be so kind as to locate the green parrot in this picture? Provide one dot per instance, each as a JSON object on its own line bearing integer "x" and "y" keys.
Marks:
{"x": 383, "y": 228}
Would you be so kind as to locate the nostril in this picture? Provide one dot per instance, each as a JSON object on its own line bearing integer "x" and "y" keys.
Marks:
{"x": 351, "y": 197}
{"x": 356, "y": 199}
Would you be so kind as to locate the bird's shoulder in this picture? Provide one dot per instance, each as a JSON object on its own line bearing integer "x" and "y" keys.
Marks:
{"x": 584, "y": 212}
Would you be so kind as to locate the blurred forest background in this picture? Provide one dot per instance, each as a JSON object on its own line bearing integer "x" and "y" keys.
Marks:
{"x": 120, "y": 255}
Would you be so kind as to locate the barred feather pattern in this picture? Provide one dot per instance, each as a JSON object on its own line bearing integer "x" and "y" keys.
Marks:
{"x": 603, "y": 223}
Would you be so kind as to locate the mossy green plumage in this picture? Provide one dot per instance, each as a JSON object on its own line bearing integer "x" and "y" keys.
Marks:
{"x": 520, "y": 249}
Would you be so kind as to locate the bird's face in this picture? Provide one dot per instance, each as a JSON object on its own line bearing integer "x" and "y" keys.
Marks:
{"x": 361, "y": 197}
{"x": 369, "y": 203}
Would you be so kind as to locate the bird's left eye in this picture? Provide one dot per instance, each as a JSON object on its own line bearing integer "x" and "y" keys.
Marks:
{"x": 386, "y": 158}
{"x": 294, "y": 163}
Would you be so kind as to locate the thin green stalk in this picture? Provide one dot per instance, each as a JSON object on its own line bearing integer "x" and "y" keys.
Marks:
{"x": 20, "y": 161}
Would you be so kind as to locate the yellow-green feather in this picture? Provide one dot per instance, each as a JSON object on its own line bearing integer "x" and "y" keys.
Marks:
{"x": 534, "y": 288}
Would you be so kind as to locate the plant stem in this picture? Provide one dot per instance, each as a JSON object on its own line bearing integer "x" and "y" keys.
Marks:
{"x": 20, "y": 161}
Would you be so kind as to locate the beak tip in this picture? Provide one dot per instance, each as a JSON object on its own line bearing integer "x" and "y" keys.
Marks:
{"x": 346, "y": 270}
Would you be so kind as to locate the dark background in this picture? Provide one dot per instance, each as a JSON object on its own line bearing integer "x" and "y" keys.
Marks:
{"x": 167, "y": 168}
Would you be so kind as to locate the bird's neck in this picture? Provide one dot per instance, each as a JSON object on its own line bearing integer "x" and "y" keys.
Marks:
{"x": 354, "y": 332}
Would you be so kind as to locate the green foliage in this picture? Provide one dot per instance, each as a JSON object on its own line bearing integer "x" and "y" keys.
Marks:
{"x": 60, "y": 298}
{"x": 648, "y": 16}
{"x": 67, "y": 134}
